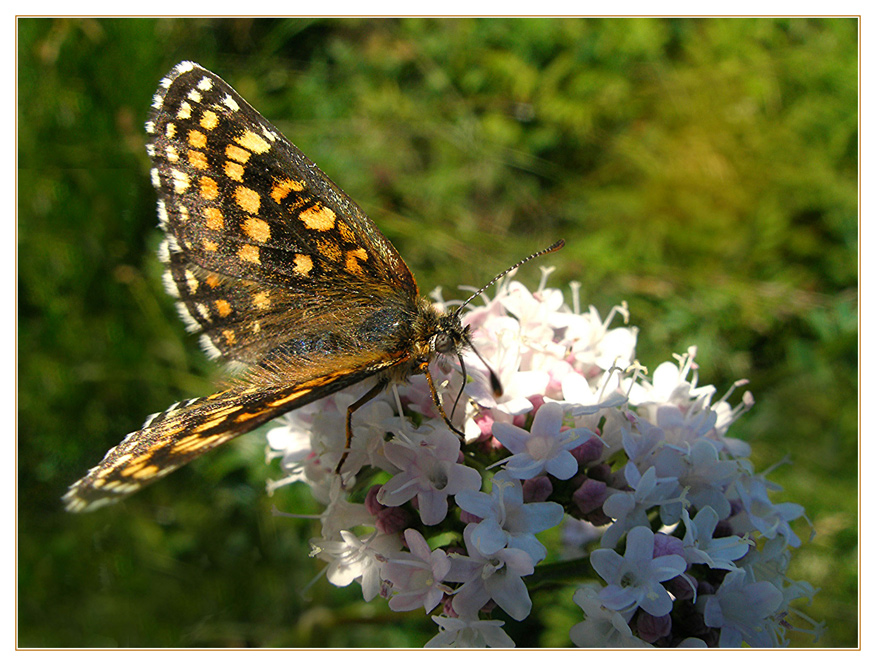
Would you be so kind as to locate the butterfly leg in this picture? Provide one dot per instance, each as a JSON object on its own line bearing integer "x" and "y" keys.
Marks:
{"x": 373, "y": 392}
{"x": 424, "y": 368}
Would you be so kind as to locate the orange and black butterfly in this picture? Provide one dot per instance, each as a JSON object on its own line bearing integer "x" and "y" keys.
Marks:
{"x": 279, "y": 271}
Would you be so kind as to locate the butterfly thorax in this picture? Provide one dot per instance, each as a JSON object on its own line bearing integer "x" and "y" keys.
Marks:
{"x": 427, "y": 333}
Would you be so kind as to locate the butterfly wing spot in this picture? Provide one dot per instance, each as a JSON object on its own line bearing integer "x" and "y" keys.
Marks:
{"x": 284, "y": 187}
{"x": 209, "y": 120}
{"x": 181, "y": 181}
{"x": 247, "y": 199}
{"x": 196, "y": 139}
{"x": 303, "y": 264}
{"x": 228, "y": 101}
{"x": 237, "y": 153}
{"x": 249, "y": 253}
{"x": 353, "y": 259}
{"x": 253, "y": 142}
{"x": 329, "y": 249}
{"x": 318, "y": 218}
{"x": 209, "y": 188}
{"x": 258, "y": 230}
{"x": 234, "y": 171}
{"x": 198, "y": 160}
{"x": 213, "y": 218}
{"x": 222, "y": 307}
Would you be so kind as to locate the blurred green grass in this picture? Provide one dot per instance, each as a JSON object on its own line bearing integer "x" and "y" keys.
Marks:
{"x": 703, "y": 170}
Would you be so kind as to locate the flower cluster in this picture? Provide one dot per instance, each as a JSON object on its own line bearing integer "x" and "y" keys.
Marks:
{"x": 665, "y": 535}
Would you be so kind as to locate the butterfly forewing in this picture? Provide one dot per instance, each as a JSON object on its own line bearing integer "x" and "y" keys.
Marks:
{"x": 258, "y": 237}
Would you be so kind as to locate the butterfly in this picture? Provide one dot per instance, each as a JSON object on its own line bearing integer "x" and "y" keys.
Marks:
{"x": 281, "y": 274}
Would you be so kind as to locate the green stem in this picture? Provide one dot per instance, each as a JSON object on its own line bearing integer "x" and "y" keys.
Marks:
{"x": 561, "y": 572}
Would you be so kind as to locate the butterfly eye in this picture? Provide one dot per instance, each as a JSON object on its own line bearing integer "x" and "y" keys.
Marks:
{"x": 443, "y": 343}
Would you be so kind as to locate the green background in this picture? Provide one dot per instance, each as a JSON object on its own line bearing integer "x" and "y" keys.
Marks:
{"x": 703, "y": 170}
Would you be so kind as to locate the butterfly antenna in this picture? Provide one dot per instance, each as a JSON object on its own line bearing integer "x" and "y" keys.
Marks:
{"x": 553, "y": 248}
{"x": 495, "y": 384}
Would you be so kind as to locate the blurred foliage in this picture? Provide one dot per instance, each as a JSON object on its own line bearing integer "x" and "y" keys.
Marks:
{"x": 703, "y": 170}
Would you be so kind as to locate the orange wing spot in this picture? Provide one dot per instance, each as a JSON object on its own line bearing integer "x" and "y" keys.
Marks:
{"x": 134, "y": 465}
{"x": 329, "y": 250}
{"x": 318, "y": 217}
{"x": 249, "y": 253}
{"x": 253, "y": 142}
{"x": 237, "y": 153}
{"x": 209, "y": 246}
{"x": 261, "y": 300}
{"x": 198, "y": 160}
{"x": 303, "y": 264}
{"x": 212, "y": 423}
{"x": 346, "y": 233}
{"x": 222, "y": 307}
{"x": 209, "y": 120}
{"x": 256, "y": 229}
{"x": 212, "y": 281}
{"x": 353, "y": 259}
{"x": 289, "y": 398}
{"x": 282, "y": 189}
{"x": 146, "y": 472}
{"x": 229, "y": 336}
{"x": 247, "y": 199}
{"x": 214, "y": 219}
{"x": 197, "y": 139}
{"x": 186, "y": 444}
{"x": 209, "y": 188}
{"x": 234, "y": 171}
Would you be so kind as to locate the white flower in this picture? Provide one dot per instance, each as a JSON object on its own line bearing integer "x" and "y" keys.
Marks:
{"x": 430, "y": 472}
{"x": 701, "y": 471}
{"x": 629, "y": 509}
{"x": 458, "y": 632}
{"x": 743, "y": 611}
{"x": 501, "y": 347}
{"x": 497, "y": 576}
{"x": 760, "y": 514}
{"x": 545, "y": 448}
{"x": 593, "y": 345}
{"x": 602, "y": 627}
{"x": 701, "y": 548}
{"x": 352, "y": 558}
{"x": 507, "y": 521}
{"x": 416, "y": 576}
{"x": 634, "y": 579}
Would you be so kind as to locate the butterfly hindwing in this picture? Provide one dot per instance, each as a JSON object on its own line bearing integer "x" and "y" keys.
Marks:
{"x": 188, "y": 429}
